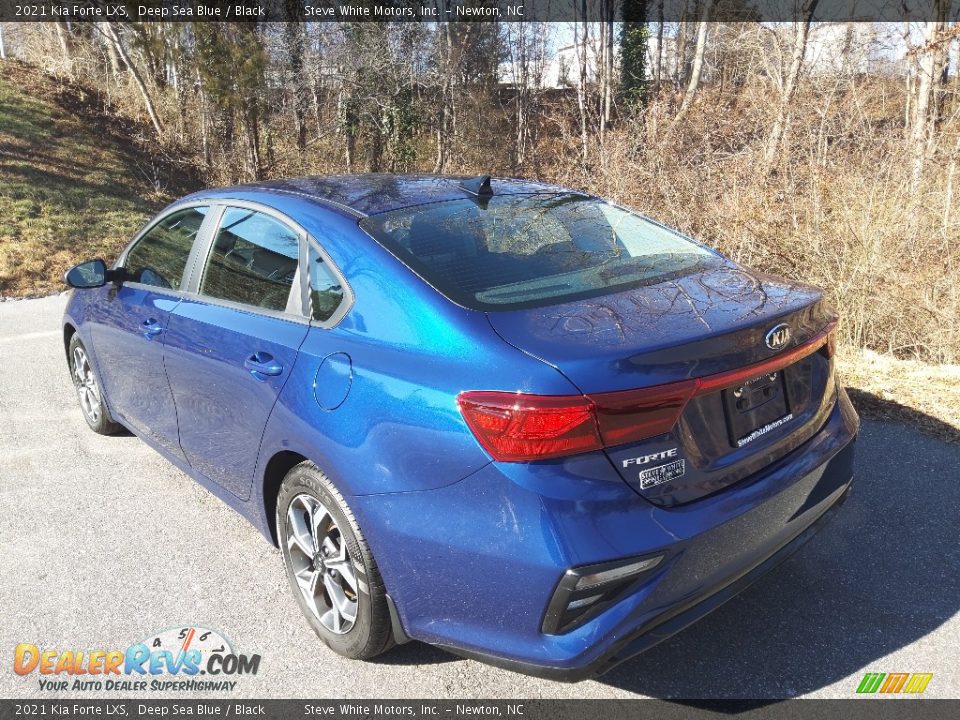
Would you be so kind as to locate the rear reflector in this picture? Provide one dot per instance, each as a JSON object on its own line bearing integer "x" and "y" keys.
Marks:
{"x": 516, "y": 427}
{"x": 584, "y": 592}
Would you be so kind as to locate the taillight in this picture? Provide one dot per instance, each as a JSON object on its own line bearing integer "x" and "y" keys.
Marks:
{"x": 517, "y": 427}
{"x": 637, "y": 414}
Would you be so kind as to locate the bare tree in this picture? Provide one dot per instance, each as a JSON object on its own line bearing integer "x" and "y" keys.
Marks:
{"x": 526, "y": 53}
{"x": 115, "y": 39}
{"x": 296, "y": 42}
{"x": 929, "y": 73}
{"x": 446, "y": 121}
{"x": 698, "y": 55}
{"x": 658, "y": 60}
{"x": 789, "y": 83}
{"x": 112, "y": 56}
{"x": 581, "y": 30}
{"x": 63, "y": 36}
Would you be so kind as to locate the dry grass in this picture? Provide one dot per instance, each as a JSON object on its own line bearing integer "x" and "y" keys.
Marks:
{"x": 74, "y": 181}
{"x": 909, "y": 391}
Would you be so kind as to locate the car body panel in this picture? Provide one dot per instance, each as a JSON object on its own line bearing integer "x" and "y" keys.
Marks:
{"x": 131, "y": 363}
{"x": 374, "y": 193}
{"x": 700, "y": 324}
{"x": 449, "y": 583}
{"x": 221, "y": 406}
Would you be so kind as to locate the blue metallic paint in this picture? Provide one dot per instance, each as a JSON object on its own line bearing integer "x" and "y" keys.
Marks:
{"x": 222, "y": 407}
{"x": 469, "y": 549}
{"x": 131, "y": 364}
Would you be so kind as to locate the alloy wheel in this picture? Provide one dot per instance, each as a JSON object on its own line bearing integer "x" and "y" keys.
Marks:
{"x": 86, "y": 384}
{"x": 324, "y": 570}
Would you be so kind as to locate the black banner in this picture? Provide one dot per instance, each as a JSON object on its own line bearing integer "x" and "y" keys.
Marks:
{"x": 865, "y": 709}
{"x": 478, "y": 10}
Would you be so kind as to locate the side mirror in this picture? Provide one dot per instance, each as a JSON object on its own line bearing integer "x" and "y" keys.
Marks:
{"x": 90, "y": 274}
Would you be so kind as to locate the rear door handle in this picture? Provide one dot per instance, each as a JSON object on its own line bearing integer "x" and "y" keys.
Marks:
{"x": 151, "y": 328}
{"x": 261, "y": 365}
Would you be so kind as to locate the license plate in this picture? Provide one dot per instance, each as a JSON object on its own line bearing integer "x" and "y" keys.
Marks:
{"x": 756, "y": 407}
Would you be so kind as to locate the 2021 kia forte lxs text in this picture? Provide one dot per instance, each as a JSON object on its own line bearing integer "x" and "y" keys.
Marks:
{"x": 501, "y": 417}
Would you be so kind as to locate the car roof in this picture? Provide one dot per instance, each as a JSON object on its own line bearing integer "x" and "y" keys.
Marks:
{"x": 374, "y": 193}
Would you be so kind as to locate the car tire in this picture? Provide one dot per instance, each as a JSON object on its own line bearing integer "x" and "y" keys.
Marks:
{"x": 89, "y": 391}
{"x": 339, "y": 588}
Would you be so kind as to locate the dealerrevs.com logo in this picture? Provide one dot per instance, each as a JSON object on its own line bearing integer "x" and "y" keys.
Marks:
{"x": 171, "y": 660}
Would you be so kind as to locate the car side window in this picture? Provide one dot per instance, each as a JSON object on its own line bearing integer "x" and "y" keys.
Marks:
{"x": 326, "y": 290}
{"x": 160, "y": 257}
{"x": 253, "y": 260}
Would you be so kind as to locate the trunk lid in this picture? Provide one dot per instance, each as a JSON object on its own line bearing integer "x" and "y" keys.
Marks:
{"x": 706, "y": 323}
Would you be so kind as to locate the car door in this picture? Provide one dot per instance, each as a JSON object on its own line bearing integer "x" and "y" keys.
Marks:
{"x": 128, "y": 333}
{"x": 231, "y": 344}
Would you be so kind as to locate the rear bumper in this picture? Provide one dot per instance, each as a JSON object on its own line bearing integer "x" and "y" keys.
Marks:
{"x": 472, "y": 566}
{"x": 670, "y": 622}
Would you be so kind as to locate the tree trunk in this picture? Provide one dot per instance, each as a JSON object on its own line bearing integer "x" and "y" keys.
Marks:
{"x": 680, "y": 48}
{"x": 697, "y": 68}
{"x": 112, "y": 56}
{"x": 3, "y": 49}
{"x": 252, "y": 127}
{"x": 789, "y": 89}
{"x": 66, "y": 46}
{"x": 147, "y": 100}
{"x": 296, "y": 42}
{"x": 580, "y": 45}
{"x": 927, "y": 83}
{"x": 658, "y": 63}
{"x": 951, "y": 174}
{"x": 204, "y": 124}
{"x": 921, "y": 134}
{"x": 445, "y": 114}
{"x": 608, "y": 83}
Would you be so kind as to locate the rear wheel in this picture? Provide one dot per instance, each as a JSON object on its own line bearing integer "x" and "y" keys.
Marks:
{"x": 330, "y": 568}
{"x": 94, "y": 408}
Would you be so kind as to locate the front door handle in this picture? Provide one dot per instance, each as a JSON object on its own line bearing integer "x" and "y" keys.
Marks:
{"x": 151, "y": 328}
{"x": 261, "y": 365}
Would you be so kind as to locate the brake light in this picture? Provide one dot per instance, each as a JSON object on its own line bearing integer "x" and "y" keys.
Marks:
{"x": 517, "y": 427}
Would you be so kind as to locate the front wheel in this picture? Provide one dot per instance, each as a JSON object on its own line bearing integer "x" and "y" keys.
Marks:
{"x": 330, "y": 568}
{"x": 95, "y": 410}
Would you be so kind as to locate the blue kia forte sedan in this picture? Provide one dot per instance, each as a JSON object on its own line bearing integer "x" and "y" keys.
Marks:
{"x": 498, "y": 416}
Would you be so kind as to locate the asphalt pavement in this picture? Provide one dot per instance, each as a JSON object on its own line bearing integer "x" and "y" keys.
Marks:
{"x": 103, "y": 543}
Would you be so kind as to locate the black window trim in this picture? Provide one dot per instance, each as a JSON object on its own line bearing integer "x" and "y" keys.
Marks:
{"x": 206, "y": 227}
{"x": 193, "y": 272}
{"x": 346, "y": 303}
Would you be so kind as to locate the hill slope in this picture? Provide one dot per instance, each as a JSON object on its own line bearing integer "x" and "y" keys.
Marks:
{"x": 73, "y": 180}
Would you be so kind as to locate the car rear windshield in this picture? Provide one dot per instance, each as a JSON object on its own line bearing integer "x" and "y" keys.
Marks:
{"x": 515, "y": 251}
